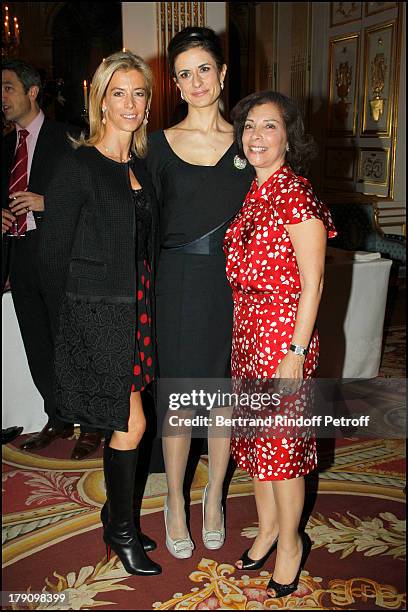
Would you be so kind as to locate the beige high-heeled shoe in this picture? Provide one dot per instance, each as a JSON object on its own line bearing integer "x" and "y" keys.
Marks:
{"x": 182, "y": 548}
{"x": 213, "y": 539}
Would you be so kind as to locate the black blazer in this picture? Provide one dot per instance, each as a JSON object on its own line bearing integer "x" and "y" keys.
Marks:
{"x": 87, "y": 247}
{"x": 88, "y": 253}
{"x": 52, "y": 145}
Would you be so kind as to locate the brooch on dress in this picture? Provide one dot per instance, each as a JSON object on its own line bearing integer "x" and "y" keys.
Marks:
{"x": 240, "y": 163}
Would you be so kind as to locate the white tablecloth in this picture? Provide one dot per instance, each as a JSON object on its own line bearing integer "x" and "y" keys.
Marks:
{"x": 351, "y": 318}
{"x": 22, "y": 404}
{"x": 350, "y": 325}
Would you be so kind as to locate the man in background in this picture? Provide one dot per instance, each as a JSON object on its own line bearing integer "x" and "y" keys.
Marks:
{"x": 30, "y": 158}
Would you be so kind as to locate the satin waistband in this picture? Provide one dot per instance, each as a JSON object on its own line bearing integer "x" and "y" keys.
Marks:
{"x": 264, "y": 298}
{"x": 209, "y": 244}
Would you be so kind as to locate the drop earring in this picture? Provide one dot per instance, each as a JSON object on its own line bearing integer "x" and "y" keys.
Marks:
{"x": 287, "y": 147}
{"x": 104, "y": 118}
{"x": 222, "y": 85}
{"x": 146, "y": 117}
{"x": 181, "y": 95}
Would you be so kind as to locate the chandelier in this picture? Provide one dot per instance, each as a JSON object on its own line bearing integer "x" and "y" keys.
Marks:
{"x": 10, "y": 34}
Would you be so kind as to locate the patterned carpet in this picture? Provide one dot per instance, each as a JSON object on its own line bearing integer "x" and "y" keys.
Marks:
{"x": 393, "y": 362}
{"x": 52, "y": 538}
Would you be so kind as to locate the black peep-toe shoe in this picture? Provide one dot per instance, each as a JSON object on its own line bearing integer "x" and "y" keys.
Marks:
{"x": 254, "y": 564}
{"x": 282, "y": 590}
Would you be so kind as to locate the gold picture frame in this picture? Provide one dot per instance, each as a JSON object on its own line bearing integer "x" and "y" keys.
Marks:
{"x": 373, "y": 8}
{"x": 344, "y": 12}
{"x": 379, "y": 80}
{"x": 344, "y": 53}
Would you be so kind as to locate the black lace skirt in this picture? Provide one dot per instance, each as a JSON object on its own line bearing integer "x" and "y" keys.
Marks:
{"x": 103, "y": 351}
{"x": 94, "y": 350}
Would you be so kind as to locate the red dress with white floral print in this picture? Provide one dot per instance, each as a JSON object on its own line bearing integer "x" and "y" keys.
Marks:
{"x": 264, "y": 276}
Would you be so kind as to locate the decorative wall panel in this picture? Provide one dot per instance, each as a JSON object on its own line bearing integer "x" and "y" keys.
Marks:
{"x": 300, "y": 65}
{"x": 364, "y": 42}
{"x": 379, "y": 83}
{"x": 345, "y": 12}
{"x": 373, "y": 166}
{"x": 372, "y": 8}
{"x": 343, "y": 83}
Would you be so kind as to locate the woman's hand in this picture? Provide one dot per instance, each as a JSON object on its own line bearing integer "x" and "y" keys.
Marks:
{"x": 290, "y": 373}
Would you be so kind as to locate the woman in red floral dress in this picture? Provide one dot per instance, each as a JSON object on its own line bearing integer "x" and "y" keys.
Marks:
{"x": 275, "y": 250}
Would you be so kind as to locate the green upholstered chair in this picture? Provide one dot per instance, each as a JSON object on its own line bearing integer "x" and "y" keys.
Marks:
{"x": 358, "y": 230}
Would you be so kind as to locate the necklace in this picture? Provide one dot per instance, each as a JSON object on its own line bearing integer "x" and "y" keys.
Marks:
{"x": 118, "y": 156}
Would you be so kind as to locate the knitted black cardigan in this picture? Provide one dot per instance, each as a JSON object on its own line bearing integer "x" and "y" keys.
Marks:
{"x": 88, "y": 252}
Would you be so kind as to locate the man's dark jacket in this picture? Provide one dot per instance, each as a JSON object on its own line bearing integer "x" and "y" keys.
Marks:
{"x": 51, "y": 146}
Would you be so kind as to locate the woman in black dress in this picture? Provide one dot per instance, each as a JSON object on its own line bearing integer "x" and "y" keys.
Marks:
{"x": 201, "y": 184}
{"x": 97, "y": 247}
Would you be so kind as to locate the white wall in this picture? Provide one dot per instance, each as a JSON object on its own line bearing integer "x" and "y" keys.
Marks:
{"x": 216, "y": 13}
{"x": 139, "y": 22}
{"x": 22, "y": 405}
{"x": 139, "y": 26}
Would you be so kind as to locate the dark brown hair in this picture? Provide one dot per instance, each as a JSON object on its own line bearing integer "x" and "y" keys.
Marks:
{"x": 26, "y": 74}
{"x": 302, "y": 148}
{"x": 191, "y": 37}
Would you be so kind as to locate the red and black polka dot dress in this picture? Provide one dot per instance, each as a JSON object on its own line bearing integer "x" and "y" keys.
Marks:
{"x": 264, "y": 276}
{"x": 143, "y": 368}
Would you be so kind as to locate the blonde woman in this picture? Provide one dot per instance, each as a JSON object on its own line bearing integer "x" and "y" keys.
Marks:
{"x": 97, "y": 248}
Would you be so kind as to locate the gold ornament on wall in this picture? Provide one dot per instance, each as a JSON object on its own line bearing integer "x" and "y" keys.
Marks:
{"x": 373, "y": 166}
{"x": 380, "y": 84}
{"x": 378, "y": 72}
{"x": 343, "y": 79}
{"x": 343, "y": 84}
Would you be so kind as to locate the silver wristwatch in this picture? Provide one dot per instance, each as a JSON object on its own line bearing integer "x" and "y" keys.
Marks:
{"x": 298, "y": 350}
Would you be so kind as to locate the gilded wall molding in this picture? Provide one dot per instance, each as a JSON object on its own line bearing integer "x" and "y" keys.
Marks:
{"x": 362, "y": 110}
{"x": 379, "y": 80}
{"x": 300, "y": 66}
{"x": 344, "y": 54}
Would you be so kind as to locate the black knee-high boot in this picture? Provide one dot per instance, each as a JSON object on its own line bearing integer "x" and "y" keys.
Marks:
{"x": 120, "y": 534}
{"x": 147, "y": 543}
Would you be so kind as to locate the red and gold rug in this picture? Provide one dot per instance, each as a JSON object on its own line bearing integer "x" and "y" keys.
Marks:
{"x": 52, "y": 537}
{"x": 393, "y": 359}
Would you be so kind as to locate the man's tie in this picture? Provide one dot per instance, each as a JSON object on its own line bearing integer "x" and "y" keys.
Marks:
{"x": 18, "y": 179}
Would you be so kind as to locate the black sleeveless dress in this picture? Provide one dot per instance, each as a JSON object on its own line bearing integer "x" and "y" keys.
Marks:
{"x": 193, "y": 298}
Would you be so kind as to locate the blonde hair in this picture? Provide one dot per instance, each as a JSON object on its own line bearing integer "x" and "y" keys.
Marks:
{"x": 121, "y": 60}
